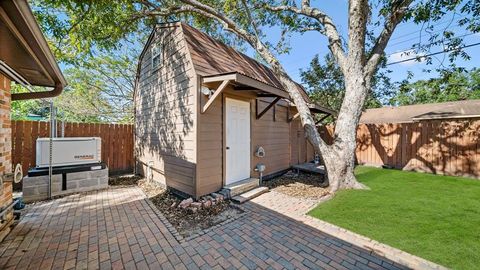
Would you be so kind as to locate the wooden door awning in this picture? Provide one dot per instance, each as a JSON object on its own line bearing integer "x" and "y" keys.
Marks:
{"x": 315, "y": 109}
{"x": 241, "y": 83}
{"x": 245, "y": 83}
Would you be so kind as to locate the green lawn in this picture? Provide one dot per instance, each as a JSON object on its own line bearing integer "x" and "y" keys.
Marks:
{"x": 433, "y": 217}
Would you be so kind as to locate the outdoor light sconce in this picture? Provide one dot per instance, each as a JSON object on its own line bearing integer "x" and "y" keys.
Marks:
{"x": 206, "y": 91}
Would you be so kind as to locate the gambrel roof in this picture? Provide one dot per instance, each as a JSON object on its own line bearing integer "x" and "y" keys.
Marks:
{"x": 212, "y": 57}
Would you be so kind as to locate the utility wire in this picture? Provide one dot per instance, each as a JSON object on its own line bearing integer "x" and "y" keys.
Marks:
{"x": 429, "y": 44}
{"x": 420, "y": 30}
{"x": 435, "y": 53}
{"x": 410, "y": 39}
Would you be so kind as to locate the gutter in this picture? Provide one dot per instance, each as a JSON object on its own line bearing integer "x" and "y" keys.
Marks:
{"x": 21, "y": 16}
{"x": 7, "y": 70}
{"x": 57, "y": 90}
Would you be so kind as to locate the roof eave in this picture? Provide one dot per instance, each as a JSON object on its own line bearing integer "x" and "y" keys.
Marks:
{"x": 18, "y": 15}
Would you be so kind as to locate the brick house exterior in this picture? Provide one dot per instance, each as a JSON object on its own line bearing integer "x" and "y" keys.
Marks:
{"x": 26, "y": 59}
{"x": 5, "y": 153}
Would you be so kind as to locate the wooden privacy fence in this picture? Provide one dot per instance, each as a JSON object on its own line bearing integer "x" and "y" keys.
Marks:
{"x": 117, "y": 142}
{"x": 441, "y": 147}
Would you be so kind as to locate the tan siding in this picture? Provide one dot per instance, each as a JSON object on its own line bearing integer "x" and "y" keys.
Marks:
{"x": 301, "y": 150}
{"x": 274, "y": 136}
{"x": 210, "y": 149}
{"x": 165, "y": 110}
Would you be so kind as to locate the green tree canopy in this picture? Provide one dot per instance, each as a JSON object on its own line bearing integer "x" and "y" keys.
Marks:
{"x": 87, "y": 27}
{"x": 99, "y": 90}
{"x": 450, "y": 85}
{"x": 326, "y": 85}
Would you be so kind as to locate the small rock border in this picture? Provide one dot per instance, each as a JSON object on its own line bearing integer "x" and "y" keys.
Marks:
{"x": 204, "y": 202}
{"x": 177, "y": 235}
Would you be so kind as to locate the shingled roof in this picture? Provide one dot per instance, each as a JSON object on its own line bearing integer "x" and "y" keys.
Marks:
{"x": 411, "y": 113}
{"x": 212, "y": 57}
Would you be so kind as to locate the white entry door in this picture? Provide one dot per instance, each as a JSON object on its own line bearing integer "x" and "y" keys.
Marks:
{"x": 237, "y": 140}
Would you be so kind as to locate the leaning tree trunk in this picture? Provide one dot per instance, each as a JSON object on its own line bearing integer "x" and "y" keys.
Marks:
{"x": 340, "y": 163}
{"x": 339, "y": 158}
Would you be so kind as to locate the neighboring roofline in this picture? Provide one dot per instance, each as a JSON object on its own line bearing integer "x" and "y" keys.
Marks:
{"x": 25, "y": 16}
{"x": 423, "y": 104}
{"x": 446, "y": 117}
{"x": 422, "y": 112}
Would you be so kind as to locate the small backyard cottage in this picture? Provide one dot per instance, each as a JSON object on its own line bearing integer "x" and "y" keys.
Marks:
{"x": 206, "y": 115}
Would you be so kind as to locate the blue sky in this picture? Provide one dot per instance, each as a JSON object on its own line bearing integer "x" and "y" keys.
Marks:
{"x": 306, "y": 46}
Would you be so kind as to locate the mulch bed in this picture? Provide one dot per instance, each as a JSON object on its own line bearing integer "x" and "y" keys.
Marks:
{"x": 302, "y": 185}
{"x": 124, "y": 180}
{"x": 186, "y": 221}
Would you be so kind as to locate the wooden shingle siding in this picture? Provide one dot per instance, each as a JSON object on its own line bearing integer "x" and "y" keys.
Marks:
{"x": 165, "y": 112}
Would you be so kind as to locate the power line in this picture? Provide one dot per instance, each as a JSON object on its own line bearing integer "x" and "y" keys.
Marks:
{"x": 435, "y": 53}
{"x": 434, "y": 25}
{"x": 410, "y": 39}
{"x": 432, "y": 43}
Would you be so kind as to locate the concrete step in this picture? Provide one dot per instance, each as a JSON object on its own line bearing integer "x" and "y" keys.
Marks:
{"x": 240, "y": 187}
{"x": 250, "y": 194}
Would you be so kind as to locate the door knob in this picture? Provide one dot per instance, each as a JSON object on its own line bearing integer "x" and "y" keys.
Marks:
{"x": 228, "y": 147}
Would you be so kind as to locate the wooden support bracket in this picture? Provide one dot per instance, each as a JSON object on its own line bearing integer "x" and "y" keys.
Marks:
{"x": 294, "y": 117}
{"x": 215, "y": 95}
{"x": 321, "y": 119}
{"x": 259, "y": 115}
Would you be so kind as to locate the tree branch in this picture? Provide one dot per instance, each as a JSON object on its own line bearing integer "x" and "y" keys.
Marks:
{"x": 382, "y": 40}
{"x": 329, "y": 29}
{"x": 357, "y": 27}
{"x": 289, "y": 85}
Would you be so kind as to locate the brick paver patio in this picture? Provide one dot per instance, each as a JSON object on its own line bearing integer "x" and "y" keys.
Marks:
{"x": 117, "y": 228}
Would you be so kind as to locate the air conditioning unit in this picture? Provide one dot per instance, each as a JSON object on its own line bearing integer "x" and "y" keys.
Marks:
{"x": 68, "y": 151}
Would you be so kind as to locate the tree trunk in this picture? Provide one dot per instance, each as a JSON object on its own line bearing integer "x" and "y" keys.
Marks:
{"x": 340, "y": 157}
{"x": 340, "y": 163}
{"x": 340, "y": 169}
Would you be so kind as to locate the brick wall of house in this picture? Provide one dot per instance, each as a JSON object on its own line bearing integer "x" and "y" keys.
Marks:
{"x": 5, "y": 153}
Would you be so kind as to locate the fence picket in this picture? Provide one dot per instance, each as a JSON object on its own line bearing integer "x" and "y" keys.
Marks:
{"x": 117, "y": 154}
{"x": 442, "y": 147}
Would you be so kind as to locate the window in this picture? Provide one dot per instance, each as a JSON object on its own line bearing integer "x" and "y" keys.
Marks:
{"x": 156, "y": 55}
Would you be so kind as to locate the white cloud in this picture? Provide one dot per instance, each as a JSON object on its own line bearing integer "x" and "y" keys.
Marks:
{"x": 404, "y": 55}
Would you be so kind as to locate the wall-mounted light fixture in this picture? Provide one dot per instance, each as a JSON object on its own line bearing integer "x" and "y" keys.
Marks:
{"x": 206, "y": 91}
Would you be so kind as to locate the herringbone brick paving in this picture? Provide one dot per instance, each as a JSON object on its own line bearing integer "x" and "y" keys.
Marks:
{"x": 117, "y": 229}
